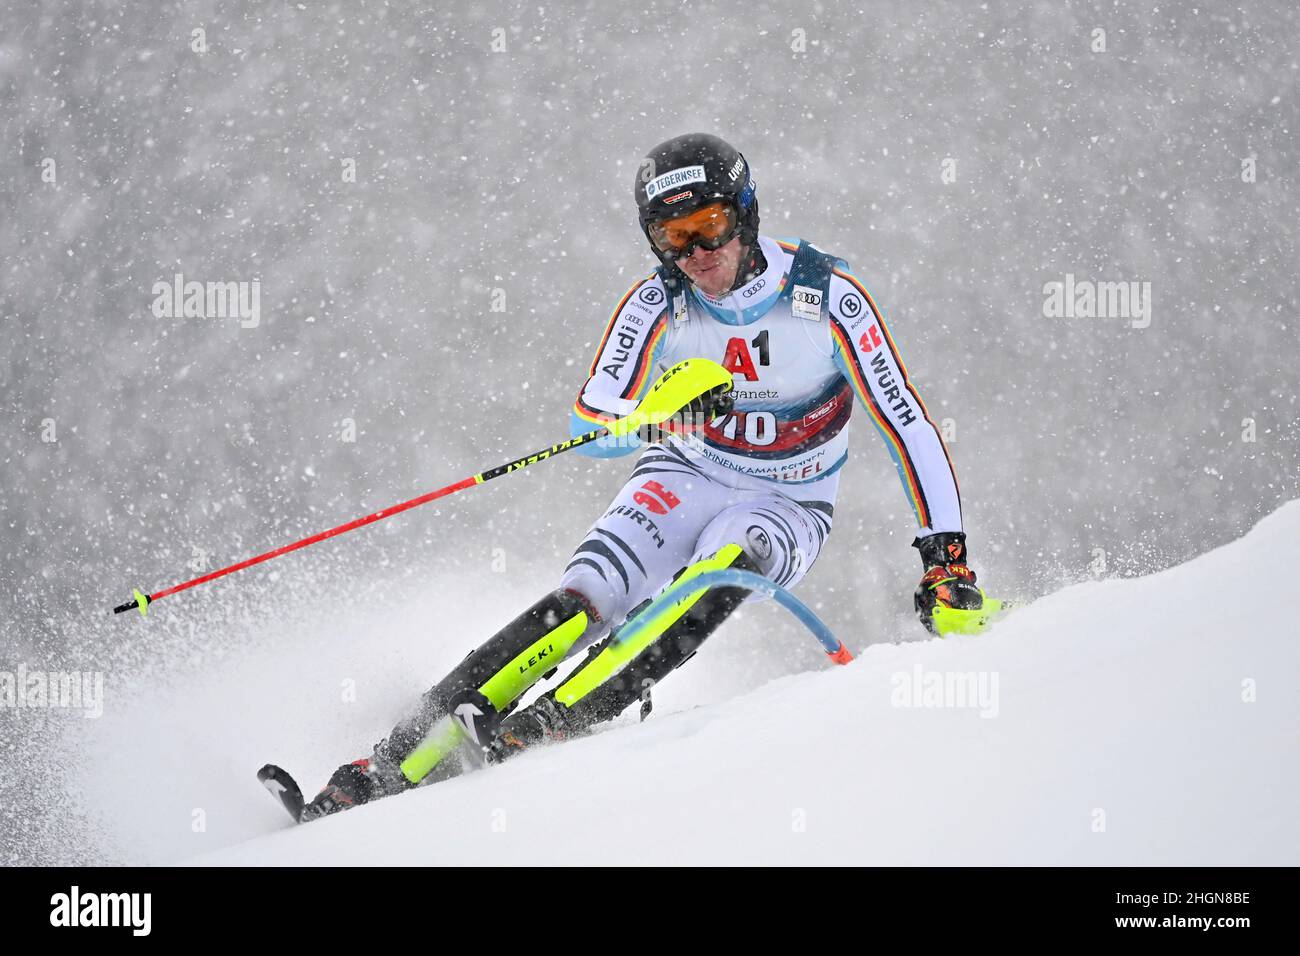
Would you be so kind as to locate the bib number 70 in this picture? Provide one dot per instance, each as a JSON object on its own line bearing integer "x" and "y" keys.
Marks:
{"x": 758, "y": 428}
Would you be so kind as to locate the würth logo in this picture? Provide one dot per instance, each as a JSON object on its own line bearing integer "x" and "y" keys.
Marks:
{"x": 656, "y": 498}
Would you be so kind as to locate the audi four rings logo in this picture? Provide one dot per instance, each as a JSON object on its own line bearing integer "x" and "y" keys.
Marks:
{"x": 755, "y": 288}
{"x": 850, "y": 304}
{"x": 651, "y": 296}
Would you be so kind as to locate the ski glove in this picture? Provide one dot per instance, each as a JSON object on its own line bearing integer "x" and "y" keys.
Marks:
{"x": 692, "y": 417}
{"x": 947, "y": 581}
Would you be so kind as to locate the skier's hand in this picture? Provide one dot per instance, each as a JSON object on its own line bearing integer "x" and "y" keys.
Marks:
{"x": 693, "y": 417}
{"x": 948, "y": 580}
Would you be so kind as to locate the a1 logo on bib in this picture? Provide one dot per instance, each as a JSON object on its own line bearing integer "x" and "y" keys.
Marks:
{"x": 806, "y": 303}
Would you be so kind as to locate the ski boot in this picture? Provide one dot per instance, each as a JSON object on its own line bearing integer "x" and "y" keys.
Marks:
{"x": 351, "y": 785}
{"x": 501, "y": 669}
{"x": 542, "y": 721}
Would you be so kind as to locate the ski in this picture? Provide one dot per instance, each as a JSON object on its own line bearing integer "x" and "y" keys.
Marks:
{"x": 284, "y": 788}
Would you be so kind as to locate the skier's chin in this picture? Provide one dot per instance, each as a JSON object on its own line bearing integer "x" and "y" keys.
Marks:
{"x": 709, "y": 278}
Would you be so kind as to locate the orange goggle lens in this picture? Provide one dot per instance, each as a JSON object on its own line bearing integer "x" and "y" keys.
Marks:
{"x": 709, "y": 226}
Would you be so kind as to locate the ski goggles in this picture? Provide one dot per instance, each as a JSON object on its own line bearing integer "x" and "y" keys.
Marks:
{"x": 711, "y": 226}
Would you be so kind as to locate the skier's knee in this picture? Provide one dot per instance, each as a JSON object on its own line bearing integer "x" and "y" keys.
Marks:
{"x": 587, "y": 583}
{"x": 742, "y": 530}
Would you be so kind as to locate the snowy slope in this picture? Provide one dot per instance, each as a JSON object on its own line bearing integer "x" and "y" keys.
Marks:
{"x": 1121, "y": 697}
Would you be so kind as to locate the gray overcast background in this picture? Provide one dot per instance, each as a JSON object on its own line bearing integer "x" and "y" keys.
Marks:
{"x": 479, "y": 170}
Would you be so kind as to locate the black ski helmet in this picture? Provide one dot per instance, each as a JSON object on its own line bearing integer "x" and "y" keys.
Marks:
{"x": 690, "y": 171}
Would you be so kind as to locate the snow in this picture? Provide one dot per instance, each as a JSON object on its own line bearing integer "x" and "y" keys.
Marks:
{"x": 437, "y": 210}
{"x": 1120, "y": 696}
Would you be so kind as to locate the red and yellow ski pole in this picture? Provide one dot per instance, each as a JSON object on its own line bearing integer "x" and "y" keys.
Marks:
{"x": 676, "y": 389}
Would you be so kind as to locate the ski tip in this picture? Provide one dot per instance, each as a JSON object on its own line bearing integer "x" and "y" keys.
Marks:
{"x": 969, "y": 621}
{"x": 284, "y": 788}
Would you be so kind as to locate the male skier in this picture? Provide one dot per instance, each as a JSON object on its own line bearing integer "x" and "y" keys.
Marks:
{"x": 754, "y": 488}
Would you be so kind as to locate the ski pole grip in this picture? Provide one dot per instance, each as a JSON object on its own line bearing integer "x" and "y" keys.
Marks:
{"x": 719, "y": 402}
{"x": 139, "y": 600}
